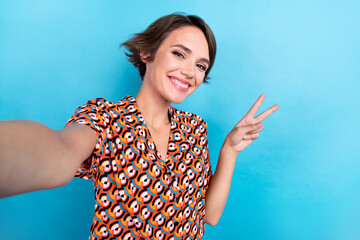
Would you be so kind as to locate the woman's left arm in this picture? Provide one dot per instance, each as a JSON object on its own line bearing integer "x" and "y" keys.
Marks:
{"x": 240, "y": 137}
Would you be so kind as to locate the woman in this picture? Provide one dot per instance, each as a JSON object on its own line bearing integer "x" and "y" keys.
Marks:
{"x": 149, "y": 161}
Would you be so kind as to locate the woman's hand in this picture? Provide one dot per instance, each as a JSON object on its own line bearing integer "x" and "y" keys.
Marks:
{"x": 243, "y": 134}
{"x": 247, "y": 130}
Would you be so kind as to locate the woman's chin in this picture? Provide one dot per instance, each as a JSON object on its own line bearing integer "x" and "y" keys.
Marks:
{"x": 177, "y": 99}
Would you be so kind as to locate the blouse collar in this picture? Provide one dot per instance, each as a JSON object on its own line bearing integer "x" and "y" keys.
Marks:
{"x": 136, "y": 110}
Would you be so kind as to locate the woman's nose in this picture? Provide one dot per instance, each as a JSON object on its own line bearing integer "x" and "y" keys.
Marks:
{"x": 188, "y": 70}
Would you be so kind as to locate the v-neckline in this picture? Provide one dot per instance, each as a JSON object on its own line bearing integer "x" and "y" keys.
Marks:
{"x": 142, "y": 120}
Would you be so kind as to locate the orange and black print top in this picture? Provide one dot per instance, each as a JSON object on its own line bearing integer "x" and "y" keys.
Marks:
{"x": 137, "y": 194}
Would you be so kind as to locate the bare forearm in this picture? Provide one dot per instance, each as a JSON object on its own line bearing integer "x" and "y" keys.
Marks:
{"x": 218, "y": 191}
{"x": 30, "y": 157}
{"x": 239, "y": 138}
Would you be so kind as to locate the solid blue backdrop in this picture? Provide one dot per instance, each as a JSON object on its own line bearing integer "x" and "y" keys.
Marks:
{"x": 299, "y": 180}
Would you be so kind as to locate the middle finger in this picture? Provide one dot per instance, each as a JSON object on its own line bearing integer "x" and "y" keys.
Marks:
{"x": 266, "y": 113}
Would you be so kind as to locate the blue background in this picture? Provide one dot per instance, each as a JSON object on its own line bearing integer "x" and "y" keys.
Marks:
{"x": 299, "y": 180}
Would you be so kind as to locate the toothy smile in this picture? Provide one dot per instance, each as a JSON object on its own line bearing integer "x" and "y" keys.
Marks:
{"x": 179, "y": 83}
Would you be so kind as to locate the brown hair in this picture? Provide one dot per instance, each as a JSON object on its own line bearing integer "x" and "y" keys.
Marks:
{"x": 151, "y": 39}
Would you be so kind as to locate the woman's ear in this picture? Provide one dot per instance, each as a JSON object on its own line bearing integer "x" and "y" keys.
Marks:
{"x": 144, "y": 57}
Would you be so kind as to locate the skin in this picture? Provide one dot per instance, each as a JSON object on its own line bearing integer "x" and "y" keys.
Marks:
{"x": 187, "y": 64}
{"x": 182, "y": 59}
{"x": 240, "y": 137}
{"x": 50, "y": 158}
{"x": 178, "y": 57}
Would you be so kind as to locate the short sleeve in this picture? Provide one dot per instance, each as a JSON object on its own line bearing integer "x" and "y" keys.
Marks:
{"x": 94, "y": 115}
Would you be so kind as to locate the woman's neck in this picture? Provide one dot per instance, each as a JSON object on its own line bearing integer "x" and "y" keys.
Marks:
{"x": 153, "y": 106}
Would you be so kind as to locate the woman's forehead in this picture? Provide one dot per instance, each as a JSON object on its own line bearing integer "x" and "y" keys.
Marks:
{"x": 190, "y": 37}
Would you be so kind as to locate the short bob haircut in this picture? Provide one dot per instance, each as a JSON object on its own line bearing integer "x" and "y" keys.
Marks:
{"x": 150, "y": 40}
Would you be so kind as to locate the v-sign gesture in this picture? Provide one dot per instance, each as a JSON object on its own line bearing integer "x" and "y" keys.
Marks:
{"x": 247, "y": 130}
{"x": 240, "y": 137}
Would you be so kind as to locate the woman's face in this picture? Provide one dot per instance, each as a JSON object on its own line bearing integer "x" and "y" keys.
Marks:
{"x": 179, "y": 64}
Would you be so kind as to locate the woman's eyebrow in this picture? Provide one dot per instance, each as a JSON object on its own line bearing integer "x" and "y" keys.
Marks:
{"x": 188, "y": 50}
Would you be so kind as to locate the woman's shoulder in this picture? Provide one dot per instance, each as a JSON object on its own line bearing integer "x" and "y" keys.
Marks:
{"x": 99, "y": 102}
{"x": 188, "y": 118}
{"x": 103, "y": 103}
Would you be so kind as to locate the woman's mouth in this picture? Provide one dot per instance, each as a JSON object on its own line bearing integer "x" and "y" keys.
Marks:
{"x": 180, "y": 85}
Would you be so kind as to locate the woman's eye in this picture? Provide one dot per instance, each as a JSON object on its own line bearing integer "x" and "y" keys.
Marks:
{"x": 176, "y": 53}
{"x": 202, "y": 67}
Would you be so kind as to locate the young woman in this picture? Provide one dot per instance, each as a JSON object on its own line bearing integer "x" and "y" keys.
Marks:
{"x": 149, "y": 162}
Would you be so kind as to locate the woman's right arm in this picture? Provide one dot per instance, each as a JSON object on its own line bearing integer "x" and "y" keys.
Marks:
{"x": 35, "y": 157}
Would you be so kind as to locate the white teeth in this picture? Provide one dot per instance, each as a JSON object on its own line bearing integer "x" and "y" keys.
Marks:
{"x": 184, "y": 85}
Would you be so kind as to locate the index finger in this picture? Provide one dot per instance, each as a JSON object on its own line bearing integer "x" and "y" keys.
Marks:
{"x": 256, "y": 106}
{"x": 266, "y": 113}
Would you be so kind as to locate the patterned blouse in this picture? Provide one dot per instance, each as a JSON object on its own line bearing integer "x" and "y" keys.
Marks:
{"x": 138, "y": 195}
